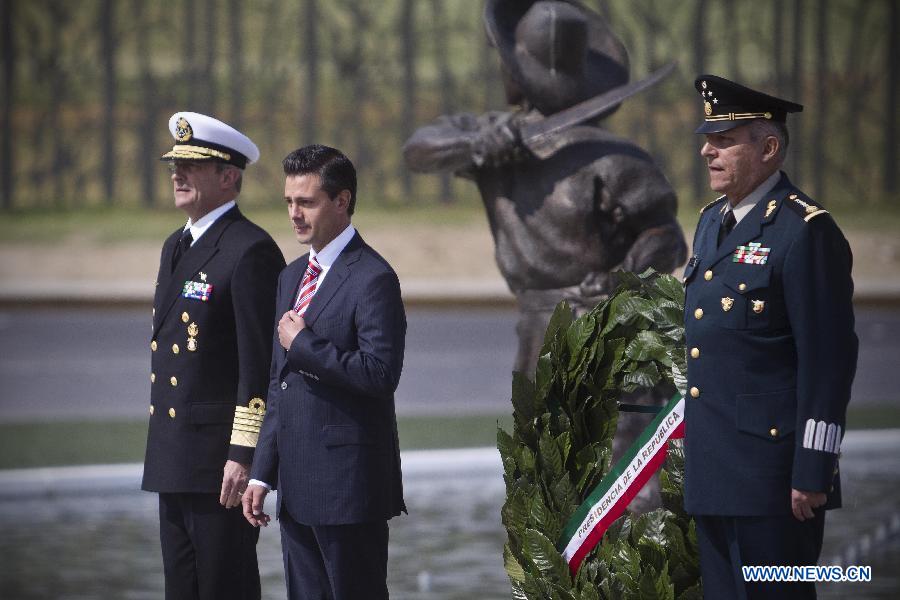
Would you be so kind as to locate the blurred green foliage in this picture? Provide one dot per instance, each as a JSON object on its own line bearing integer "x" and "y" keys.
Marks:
{"x": 85, "y": 105}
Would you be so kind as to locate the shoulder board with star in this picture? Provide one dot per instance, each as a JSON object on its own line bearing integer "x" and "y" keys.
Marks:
{"x": 711, "y": 204}
{"x": 804, "y": 206}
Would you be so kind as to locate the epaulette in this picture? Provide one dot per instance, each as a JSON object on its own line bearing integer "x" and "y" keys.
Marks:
{"x": 711, "y": 204}
{"x": 804, "y": 206}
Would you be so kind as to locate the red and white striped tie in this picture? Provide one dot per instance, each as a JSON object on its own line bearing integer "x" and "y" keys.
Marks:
{"x": 308, "y": 286}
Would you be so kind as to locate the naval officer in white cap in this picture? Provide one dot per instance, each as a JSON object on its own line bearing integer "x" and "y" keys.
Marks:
{"x": 210, "y": 350}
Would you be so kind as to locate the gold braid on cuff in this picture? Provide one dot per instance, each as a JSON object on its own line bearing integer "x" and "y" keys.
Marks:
{"x": 247, "y": 423}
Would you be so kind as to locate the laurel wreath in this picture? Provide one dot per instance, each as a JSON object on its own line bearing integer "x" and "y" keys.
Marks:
{"x": 560, "y": 449}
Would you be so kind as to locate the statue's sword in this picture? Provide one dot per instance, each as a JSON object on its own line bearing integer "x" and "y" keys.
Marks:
{"x": 542, "y": 137}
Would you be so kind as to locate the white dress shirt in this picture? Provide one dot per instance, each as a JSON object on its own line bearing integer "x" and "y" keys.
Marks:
{"x": 206, "y": 221}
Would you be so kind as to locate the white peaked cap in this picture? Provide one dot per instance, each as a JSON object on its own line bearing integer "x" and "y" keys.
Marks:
{"x": 199, "y": 137}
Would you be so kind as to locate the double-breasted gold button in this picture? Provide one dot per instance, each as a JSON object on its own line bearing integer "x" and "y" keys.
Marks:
{"x": 173, "y": 381}
{"x": 175, "y": 349}
{"x": 695, "y": 392}
{"x": 773, "y": 432}
{"x": 708, "y": 275}
{"x": 695, "y": 352}
{"x": 742, "y": 286}
{"x": 152, "y": 377}
{"x": 185, "y": 317}
{"x": 153, "y": 345}
{"x": 698, "y": 314}
{"x": 151, "y": 409}
{"x": 172, "y": 412}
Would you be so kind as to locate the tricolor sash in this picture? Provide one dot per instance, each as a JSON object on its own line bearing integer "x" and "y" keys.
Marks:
{"x": 608, "y": 500}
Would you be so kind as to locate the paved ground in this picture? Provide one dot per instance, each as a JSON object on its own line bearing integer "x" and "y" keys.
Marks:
{"x": 94, "y": 363}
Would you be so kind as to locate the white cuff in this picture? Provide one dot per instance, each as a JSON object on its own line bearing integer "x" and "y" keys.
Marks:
{"x": 260, "y": 483}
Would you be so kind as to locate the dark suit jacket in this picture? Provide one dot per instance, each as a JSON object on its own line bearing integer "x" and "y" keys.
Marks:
{"x": 329, "y": 438}
{"x": 197, "y": 385}
{"x": 771, "y": 357}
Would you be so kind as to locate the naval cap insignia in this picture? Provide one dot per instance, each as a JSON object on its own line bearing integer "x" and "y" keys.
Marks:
{"x": 707, "y": 108}
{"x": 183, "y": 131}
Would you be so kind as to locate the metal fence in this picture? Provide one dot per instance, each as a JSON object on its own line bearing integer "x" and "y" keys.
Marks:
{"x": 88, "y": 85}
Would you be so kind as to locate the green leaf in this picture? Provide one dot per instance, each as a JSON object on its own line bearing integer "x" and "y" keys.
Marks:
{"x": 543, "y": 554}
{"x": 670, "y": 287}
{"x": 695, "y": 592}
{"x": 562, "y": 317}
{"x": 656, "y": 585}
{"x": 523, "y": 398}
{"x": 505, "y": 444}
{"x": 645, "y": 376}
{"x": 513, "y": 569}
{"x": 543, "y": 379}
{"x": 647, "y": 345}
{"x": 577, "y": 337}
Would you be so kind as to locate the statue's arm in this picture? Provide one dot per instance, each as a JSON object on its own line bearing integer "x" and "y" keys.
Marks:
{"x": 462, "y": 142}
{"x": 644, "y": 204}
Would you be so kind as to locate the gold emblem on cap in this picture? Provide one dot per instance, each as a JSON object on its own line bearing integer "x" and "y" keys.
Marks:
{"x": 185, "y": 317}
{"x": 707, "y": 108}
{"x": 183, "y": 131}
{"x": 727, "y": 303}
{"x": 193, "y": 330}
{"x": 771, "y": 208}
{"x": 758, "y": 305}
{"x": 703, "y": 84}
{"x": 192, "y": 344}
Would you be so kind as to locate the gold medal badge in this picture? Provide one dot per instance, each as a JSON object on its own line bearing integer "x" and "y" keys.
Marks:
{"x": 183, "y": 130}
{"x": 758, "y": 306}
{"x": 727, "y": 303}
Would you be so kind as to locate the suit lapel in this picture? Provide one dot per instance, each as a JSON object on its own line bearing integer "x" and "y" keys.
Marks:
{"x": 337, "y": 275}
{"x": 192, "y": 261}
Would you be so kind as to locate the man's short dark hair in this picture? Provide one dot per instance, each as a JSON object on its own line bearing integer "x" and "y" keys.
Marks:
{"x": 333, "y": 168}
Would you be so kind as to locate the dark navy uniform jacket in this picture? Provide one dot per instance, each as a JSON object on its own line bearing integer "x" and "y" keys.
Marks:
{"x": 210, "y": 358}
{"x": 329, "y": 438}
{"x": 771, "y": 356}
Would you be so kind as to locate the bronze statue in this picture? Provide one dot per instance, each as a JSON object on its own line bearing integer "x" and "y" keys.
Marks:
{"x": 565, "y": 218}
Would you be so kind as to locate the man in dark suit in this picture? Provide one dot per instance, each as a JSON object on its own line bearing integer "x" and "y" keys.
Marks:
{"x": 329, "y": 439}
{"x": 210, "y": 350}
{"x": 771, "y": 353}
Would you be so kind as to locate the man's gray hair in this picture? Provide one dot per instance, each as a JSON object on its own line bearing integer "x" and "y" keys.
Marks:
{"x": 762, "y": 128}
{"x": 220, "y": 167}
